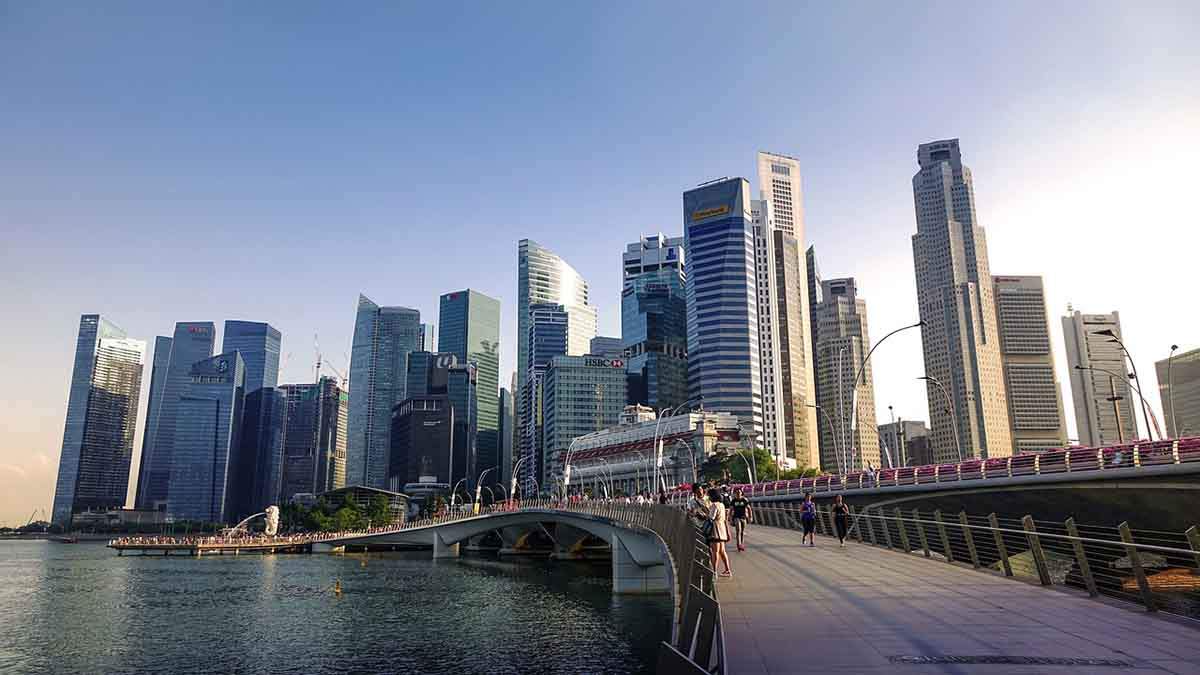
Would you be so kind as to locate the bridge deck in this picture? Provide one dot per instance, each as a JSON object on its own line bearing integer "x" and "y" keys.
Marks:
{"x": 791, "y": 609}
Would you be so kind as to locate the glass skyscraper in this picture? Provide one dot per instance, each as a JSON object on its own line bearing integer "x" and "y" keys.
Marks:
{"x": 259, "y": 344}
{"x": 258, "y": 473}
{"x": 192, "y": 342}
{"x": 469, "y": 328}
{"x": 548, "y": 336}
{"x": 581, "y": 394}
{"x": 315, "y": 439}
{"x": 722, "y": 301}
{"x": 93, "y": 469}
{"x": 383, "y": 339}
{"x": 654, "y": 321}
{"x": 207, "y": 435}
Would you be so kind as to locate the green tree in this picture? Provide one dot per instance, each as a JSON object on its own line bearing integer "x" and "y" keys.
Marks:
{"x": 379, "y": 512}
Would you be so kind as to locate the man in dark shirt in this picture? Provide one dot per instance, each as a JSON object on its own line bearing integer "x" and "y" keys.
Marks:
{"x": 742, "y": 516}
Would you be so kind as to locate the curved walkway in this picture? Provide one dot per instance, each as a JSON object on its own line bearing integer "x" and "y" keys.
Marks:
{"x": 861, "y": 609}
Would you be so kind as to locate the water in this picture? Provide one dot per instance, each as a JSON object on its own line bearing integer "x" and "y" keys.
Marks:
{"x": 81, "y": 609}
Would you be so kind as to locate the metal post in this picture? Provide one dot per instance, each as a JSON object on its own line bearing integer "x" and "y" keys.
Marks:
{"x": 903, "y": 532}
{"x": 1035, "y": 547}
{"x": 921, "y": 532}
{"x": 1193, "y": 536}
{"x": 870, "y": 526}
{"x": 966, "y": 531}
{"x": 1085, "y": 570}
{"x": 1135, "y": 562}
{"x": 854, "y": 525}
{"x": 941, "y": 525}
{"x": 832, "y": 522}
{"x": 887, "y": 535}
{"x": 1000, "y": 547}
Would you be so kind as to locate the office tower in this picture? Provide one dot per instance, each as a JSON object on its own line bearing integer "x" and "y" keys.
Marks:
{"x": 548, "y": 336}
{"x": 899, "y": 445}
{"x": 422, "y": 442}
{"x": 774, "y": 438}
{"x": 428, "y": 340}
{"x": 259, "y": 344}
{"x": 158, "y": 375}
{"x": 954, "y": 292}
{"x": 505, "y": 417}
{"x": 314, "y": 454}
{"x": 722, "y": 301}
{"x": 785, "y": 270}
{"x": 580, "y": 394}
{"x": 207, "y": 436}
{"x": 1035, "y": 408}
{"x": 609, "y": 347}
{"x": 469, "y": 328}
{"x": 193, "y": 341}
{"x": 102, "y": 406}
{"x": 1098, "y": 376}
{"x": 842, "y": 344}
{"x": 440, "y": 378}
{"x": 383, "y": 339}
{"x": 654, "y": 321}
{"x": 1179, "y": 390}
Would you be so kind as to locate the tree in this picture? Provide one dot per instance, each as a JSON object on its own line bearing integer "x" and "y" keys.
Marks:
{"x": 379, "y": 512}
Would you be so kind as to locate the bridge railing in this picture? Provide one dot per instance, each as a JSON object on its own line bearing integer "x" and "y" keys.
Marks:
{"x": 1159, "y": 570}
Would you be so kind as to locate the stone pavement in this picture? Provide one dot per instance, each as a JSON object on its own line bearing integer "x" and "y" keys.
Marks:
{"x": 792, "y": 609}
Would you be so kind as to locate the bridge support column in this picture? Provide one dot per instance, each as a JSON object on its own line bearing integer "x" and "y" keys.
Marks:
{"x": 443, "y": 550}
{"x": 322, "y": 547}
{"x": 629, "y": 577}
{"x": 568, "y": 542}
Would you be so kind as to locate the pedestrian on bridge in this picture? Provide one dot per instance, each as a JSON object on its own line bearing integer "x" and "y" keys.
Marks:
{"x": 808, "y": 520}
{"x": 742, "y": 516}
{"x": 841, "y": 519}
{"x": 720, "y": 533}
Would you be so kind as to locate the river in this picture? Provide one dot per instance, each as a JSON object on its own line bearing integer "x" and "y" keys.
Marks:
{"x": 79, "y": 608}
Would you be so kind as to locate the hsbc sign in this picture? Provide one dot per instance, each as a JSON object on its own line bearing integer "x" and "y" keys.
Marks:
{"x": 604, "y": 363}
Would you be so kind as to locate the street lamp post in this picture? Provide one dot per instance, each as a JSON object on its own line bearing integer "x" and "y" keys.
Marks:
{"x": 515, "y": 472}
{"x": 479, "y": 486}
{"x": 454, "y": 490}
{"x": 567, "y": 467}
{"x": 1173, "y": 430}
{"x": 950, "y": 409}
{"x": 862, "y": 369}
{"x": 1145, "y": 407}
{"x": 1151, "y": 420}
{"x": 692, "y": 456}
{"x": 832, "y": 433}
{"x": 656, "y": 451}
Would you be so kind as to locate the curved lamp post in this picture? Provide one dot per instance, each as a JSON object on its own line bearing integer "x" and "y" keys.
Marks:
{"x": 950, "y": 409}
{"x": 1109, "y": 333}
{"x": 1129, "y": 387}
{"x": 454, "y": 491}
{"x": 656, "y": 451}
{"x": 832, "y": 433}
{"x": 862, "y": 369}
{"x": 1174, "y": 430}
{"x": 512, "y": 491}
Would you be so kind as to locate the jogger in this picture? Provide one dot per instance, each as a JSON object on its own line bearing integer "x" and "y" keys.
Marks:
{"x": 841, "y": 519}
{"x": 808, "y": 518}
{"x": 742, "y": 516}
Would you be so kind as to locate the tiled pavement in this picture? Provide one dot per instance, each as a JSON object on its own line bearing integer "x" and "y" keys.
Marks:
{"x": 792, "y": 609}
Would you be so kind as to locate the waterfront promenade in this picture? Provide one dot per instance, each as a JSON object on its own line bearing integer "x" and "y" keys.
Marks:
{"x": 862, "y": 609}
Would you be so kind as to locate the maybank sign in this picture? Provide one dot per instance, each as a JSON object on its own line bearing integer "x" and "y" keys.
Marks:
{"x": 710, "y": 212}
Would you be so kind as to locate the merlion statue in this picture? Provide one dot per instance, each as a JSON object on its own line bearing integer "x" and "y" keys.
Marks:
{"x": 272, "y": 520}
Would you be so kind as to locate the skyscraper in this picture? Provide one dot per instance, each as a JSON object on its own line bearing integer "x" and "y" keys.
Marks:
{"x": 469, "y": 328}
{"x": 548, "y": 336}
{"x": 429, "y": 335}
{"x": 506, "y": 437}
{"x": 207, "y": 436}
{"x": 315, "y": 439}
{"x": 258, "y": 466}
{"x": 93, "y": 469}
{"x": 1180, "y": 375}
{"x": 654, "y": 321}
{"x": 193, "y": 342}
{"x": 604, "y": 345}
{"x": 383, "y": 339}
{"x": 581, "y": 394}
{"x": 259, "y": 344}
{"x": 442, "y": 391}
{"x": 158, "y": 377}
{"x": 1035, "y": 408}
{"x": 954, "y": 292}
{"x": 774, "y": 437}
{"x": 842, "y": 344}
{"x": 722, "y": 301}
{"x": 1099, "y": 419}
{"x": 784, "y": 269}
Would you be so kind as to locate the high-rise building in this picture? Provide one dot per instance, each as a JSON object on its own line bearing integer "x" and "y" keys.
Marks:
{"x": 1035, "y": 408}
{"x": 192, "y": 342}
{"x": 422, "y": 443}
{"x": 469, "y": 328}
{"x": 102, "y": 406}
{"x": 899, "y": 444}
{"x": 437, "y": 384}
{"x": 654, "y": 321}
{"x": 842, "y": 344}
{"x": 548, "y": 336}
{"x": 1103, "y": 396}
{"x": 428, "y": 340}
{"x": 383, "y": 339}
{"x": 158, "y": 376}
{"x": 722, "y": 301}
{"x": 774, "y": 438}
{"x": 314, "y": 455}
{"x": 506, "y": 436}
{"x": 603, "y": 345}
{"x": 580, "y": 394}
{"x": 1179, "y": 391}
{"x": 259, "y": 344}
{"x": 207, "y": 436}
{"x": 959, "y": 337}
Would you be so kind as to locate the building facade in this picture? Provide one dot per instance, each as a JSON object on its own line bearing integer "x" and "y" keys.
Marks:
{"x": 314, "y": 456}
{"x": 580, "y": 394}
{"x": 722, "y": 301}
{"x": 1100, "y": 389}
{"x": 207, "y": 437}
{"x": 259, "y": 344}
{"x": 383, "y": 339}
{"x": 441, "y": 376}
{"x": 505, "y": 417}
{"x": 469, "y": 328}
{"x": 1035, "y": 407}
{"x": 603, "y": 345}
{"x": 192, "y": 342}
{"x": 102, "y": 407}
{"x": 1179, "y": 391}
{"x": 654, "y": 321}
{"x": 899, "y": 441}
{"x": 842, "y": 344}
{"x": 959, "y": 337}
{"x": 548, "y": 335}
{"x": 258, "y": 469}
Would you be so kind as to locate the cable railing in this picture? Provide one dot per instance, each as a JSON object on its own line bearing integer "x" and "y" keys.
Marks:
{"x": 1156, "y": 569}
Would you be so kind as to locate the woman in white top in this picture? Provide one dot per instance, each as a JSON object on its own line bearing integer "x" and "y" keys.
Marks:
{"x": 720, "y": 533}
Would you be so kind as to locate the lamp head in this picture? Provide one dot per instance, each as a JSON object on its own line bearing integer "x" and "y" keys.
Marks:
{"x": 1174, "y": 347}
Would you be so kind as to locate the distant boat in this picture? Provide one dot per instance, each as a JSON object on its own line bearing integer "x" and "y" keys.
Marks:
{"x": 64, "y": 540}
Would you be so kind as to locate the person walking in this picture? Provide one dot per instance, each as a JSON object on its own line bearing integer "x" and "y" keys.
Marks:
{"x": 808, "y": 519}
{"x": 841, "y": 519}
{"x": 698, "y": 506}
{"x": 742, "y": 516}
{"x": 720, "y": 533}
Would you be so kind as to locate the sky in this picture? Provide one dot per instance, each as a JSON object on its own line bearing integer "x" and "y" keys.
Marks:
{"x": 164, "y": 162}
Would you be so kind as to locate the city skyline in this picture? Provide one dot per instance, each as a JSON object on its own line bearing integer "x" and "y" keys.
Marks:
{"x": 1057, "y": 154}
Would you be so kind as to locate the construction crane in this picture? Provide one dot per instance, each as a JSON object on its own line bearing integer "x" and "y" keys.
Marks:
{"x": 317, "y": 349}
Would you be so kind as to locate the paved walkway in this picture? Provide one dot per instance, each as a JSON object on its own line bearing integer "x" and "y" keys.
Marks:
{"x": 791, "y": 609}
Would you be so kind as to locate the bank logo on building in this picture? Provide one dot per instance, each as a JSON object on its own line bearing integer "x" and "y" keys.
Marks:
{"x": 603, "y": 363}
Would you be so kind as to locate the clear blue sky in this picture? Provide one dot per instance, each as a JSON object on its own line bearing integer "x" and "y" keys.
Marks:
{"x": 269, "y": 161}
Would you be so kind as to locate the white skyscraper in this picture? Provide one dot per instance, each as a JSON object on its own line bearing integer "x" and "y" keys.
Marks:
{"x": 954, "y": 292}
{"x": 1100, "y": 420}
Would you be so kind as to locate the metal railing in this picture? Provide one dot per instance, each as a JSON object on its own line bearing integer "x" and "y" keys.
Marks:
{"x": 1159, "y": 570}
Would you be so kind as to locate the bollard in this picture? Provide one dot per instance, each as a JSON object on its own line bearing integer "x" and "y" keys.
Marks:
{"x": 1000, "y": 547}
{"x": 1035, "y": 547}
{"x": 966, "y": 530}
{"x": 1135, "y": 562}
{"x": 937, "y": 515}
{"x": 1085, "y": 570}
{"x": 921, "y": 532}
{"x": 903, "y": 531}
